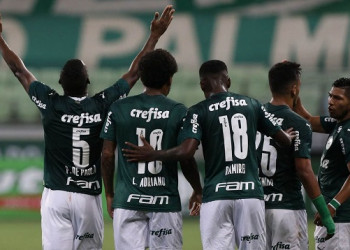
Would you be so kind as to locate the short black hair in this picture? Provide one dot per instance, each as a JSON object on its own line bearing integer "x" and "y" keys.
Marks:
{"x": 283, "y": 74}
{"x": 343, "y": 83}
{"x": 74, "y": 78}
{"x": 156, "y": 68}
{"x": 212, "y": 67}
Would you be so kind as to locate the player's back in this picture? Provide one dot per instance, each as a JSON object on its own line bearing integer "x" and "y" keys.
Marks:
{"x": 71, "y": 131}
{"x": 226, "y": 123}
{"x": 282, "y": 187}
{"x": 158, "y": 119}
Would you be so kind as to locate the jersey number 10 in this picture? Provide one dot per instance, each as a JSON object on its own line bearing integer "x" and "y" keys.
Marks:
{"x": 155, "y": 140}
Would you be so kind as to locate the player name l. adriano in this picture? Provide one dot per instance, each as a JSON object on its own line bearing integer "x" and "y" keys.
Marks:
{"x": 227, "y": 104}
{"x": 152, "y": 181}
{"x": 152, "y": 113}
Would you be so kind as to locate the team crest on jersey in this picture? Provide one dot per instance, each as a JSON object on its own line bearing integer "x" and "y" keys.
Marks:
{"x": 329, "y": 142}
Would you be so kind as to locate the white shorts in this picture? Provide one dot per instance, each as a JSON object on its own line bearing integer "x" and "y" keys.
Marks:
{"x": 340, "y": 240}
{"x": 226, "y": 223}
{"x": 286, "y": 229}
{"x": 136, "y": 230}
{"x": 71, "y": 220}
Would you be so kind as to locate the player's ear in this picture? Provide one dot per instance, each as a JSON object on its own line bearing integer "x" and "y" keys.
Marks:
{"x": 59, "y": 81}
{"x": 88, "y": 81}
{"x": 228, "y": 84}
{"x": 294, "y": 90}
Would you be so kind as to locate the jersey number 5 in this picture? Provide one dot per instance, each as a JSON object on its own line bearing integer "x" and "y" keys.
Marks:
{"x": 268, "y": 154}
{"x": 155, "y": 140}
{"x": 81, "y": 149}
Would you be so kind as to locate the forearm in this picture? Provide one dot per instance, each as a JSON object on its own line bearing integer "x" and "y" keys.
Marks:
{"x": 309, "y": 181}
{"x": 314, "y": 120}
{"x": 132, "y": 75}
{"x": 107, "y": 170}
{"x": 190, "y": 171}
{"x": 16, "y": 65}
{"x": 158, "y": 26}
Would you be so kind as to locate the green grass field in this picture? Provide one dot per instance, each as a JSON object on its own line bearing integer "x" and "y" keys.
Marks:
{"x": 17, "y": 235}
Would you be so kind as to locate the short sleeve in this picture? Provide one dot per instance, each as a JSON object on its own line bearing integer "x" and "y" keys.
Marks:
{"x": 117, "y": 91}
{"x": 108, "y": 131}
{"x": 40, "y": 94}
{"x": 192, "y": 125}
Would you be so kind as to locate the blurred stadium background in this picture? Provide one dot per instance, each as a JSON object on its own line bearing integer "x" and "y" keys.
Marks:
{"x": 249, "y": 35}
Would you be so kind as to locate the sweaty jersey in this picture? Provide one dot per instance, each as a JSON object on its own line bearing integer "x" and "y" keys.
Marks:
{"x": 145, "y": 186}
{"x": 333, "y": 167}
{"x": 72, "y": 160}
{"x": 277, "y": 170}
{"x": 226, "y": 124}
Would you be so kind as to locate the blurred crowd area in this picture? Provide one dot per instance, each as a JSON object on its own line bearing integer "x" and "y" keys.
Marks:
{"x": 17, "y": 108}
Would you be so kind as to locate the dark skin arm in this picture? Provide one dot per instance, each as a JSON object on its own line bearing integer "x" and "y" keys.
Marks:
{"x": 107, "y": 170}
{"x": 342, "y": 196}
{"x": 190, "y": 170}
{"x": 307, "y": 177}
{"x": 146, "y": 152}
{"x": 314, "y": 120}
{"x": 158, "y": 26}
{"x": 284, "y": 138}
{"x": 15, "y": 63}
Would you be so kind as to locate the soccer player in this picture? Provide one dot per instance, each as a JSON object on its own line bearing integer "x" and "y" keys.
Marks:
{"x": 145, "y": 204}
{"x": 233, "y": 211}
{"x": 282, "y": 169}
{"x": 334, "y": 175}
{"x": 71, "y": 211}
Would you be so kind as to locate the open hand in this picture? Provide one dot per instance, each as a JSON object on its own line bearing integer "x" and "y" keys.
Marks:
{"x": 160, "y": 24}
{"x": 139, "y": 153}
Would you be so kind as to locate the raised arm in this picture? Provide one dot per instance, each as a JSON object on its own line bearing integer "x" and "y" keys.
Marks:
{"x": 24, "y": 76}
{"x": 314, "y": 120}
{"x": 158, "y": 26}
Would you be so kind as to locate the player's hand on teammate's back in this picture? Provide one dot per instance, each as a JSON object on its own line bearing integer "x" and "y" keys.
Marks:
{"x": 292, "y": 134}
{"x": 160, "y": 25}
{"x": 139, "y": 153}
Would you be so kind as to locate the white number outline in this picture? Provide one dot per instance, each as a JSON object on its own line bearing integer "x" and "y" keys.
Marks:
{"x": 81, "y": 149}
{"x": 239, "y": 136}
{"x": 155, "y": 140}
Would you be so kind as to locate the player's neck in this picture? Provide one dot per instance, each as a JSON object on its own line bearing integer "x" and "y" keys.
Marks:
{"x": 279, "y": 100}
{"x": 150, "y": 91}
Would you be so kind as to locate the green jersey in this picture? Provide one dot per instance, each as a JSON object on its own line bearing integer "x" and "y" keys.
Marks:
{"x": 282, "y": 188}
{"x": 72, "y": 160}
{"x": 226, "y": 124}
{"x": 333, "y": 167}
{"x": 145, "y": 186}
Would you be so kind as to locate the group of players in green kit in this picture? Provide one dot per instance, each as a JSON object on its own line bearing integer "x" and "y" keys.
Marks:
{"x": 256, "y": 158}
